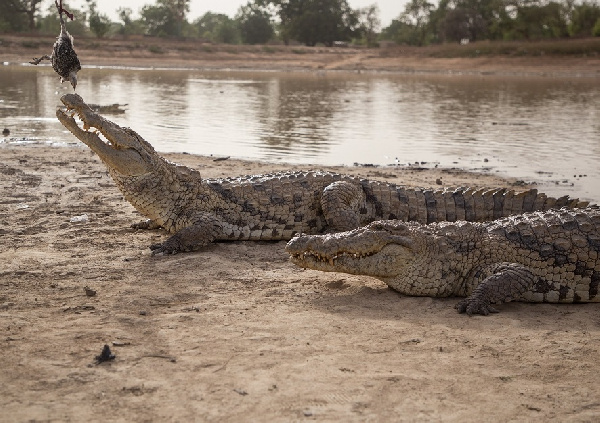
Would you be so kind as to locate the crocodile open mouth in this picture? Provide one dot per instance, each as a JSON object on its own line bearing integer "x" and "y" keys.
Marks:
{"x": 77, "y": 119}
{"x": 70, "y": 113}
{"x": 81, "y": 120}
{"x": 119, "y": 148}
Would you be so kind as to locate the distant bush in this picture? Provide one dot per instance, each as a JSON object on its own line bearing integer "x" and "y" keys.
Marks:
{"x": 155, "y": 49}
{"x": 596, "y": 29}
{"x": 30, "y": 44}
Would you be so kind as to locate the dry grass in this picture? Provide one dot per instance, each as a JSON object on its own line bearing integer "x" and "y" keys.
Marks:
{"x": 586, "y": 47}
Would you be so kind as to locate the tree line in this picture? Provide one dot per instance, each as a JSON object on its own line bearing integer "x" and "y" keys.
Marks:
{"x": 422, "y": 23}
{"x": 323, "y": 21}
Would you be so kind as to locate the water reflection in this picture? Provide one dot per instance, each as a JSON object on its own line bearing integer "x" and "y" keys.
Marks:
{"x": 535, "y": 128}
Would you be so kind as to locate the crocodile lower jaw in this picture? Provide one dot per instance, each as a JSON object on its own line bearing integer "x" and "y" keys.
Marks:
{"x": 314, "y": 257}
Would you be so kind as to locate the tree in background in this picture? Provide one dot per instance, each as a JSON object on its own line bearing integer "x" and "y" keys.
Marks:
{"x": 534, "y": 20}
{"x": 128, "y": 26}
{"x": 254, "y": 23}
{"x": 326, "y": 21}
{"x": 50, "y": 24}
{"x": 99, "y": 22}
{"x": 370, "y": 24}
{"x": 166, "y": 18}
{"x": 11, "y": 21}
{"x": 28, "y": 7}
{"x": 412, "y": 27}
{"x": 471, "y": 19}
{"x": 217, "y": 27}
{"x": 585, "y": 20}
{"x": 454, "y": 20}
{"x": 316, "y": 21}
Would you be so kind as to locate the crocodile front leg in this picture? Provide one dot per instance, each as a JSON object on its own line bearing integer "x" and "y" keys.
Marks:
{"x": 191, "y": 238}
{"x": 507, "y": 282}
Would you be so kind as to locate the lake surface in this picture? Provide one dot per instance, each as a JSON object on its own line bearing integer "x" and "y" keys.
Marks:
{"x": 535, "y": 128}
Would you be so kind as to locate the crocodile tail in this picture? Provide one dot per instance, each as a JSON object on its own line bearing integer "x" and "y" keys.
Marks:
{"x": 478, "y": 204}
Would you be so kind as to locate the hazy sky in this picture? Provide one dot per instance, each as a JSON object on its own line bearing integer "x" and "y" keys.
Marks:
{"x": 388, "y": 9}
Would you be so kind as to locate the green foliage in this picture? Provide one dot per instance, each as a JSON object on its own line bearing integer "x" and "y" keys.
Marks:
{"x": 400, "y": 32}
{"x": 456, "y": 20}
{"x": 128, "y": 26}
{"x": 18, "y": 15}
{"x": 316, "y": 21}
{"x": 369, "y": 24}
{"x": 99, "y": 22}
{"x": 536, "y": 21}
{"x": 228, "y": 33}
{"x": 584, "y": 19}
{"x": 596, "y": 29}
{"x": 166, "y": 18}
{"x": 254, "y": 24}
{"x": 50, "y": 24}
{"x": 412, "y": 27}
{"x": 218, "y": 28}
{"x": 155, "y": 49}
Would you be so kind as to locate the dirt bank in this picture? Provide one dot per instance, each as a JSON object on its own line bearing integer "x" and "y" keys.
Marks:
{"x": 237, "y": 333}
{"x": 156, "y": 52}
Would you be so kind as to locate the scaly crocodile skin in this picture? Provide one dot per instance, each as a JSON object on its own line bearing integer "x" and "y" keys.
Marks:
{"x": 547, "y": 256}
{"x": 271, "y": 207}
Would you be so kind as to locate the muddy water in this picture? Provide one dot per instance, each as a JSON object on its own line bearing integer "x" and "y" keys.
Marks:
{"x": 537, "y": 129}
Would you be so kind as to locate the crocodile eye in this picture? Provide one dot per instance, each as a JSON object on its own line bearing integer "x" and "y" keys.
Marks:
{"x": 392, "y": 226}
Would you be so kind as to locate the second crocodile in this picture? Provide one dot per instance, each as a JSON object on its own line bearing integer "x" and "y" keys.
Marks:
{"x": 198, "y": 211}
{"x": 551, "y": 256}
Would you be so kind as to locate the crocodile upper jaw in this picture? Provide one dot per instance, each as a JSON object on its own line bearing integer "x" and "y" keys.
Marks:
{"x": 122, "y": 152}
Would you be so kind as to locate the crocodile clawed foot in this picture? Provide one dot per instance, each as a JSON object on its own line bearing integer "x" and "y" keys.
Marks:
{"x": 471, "y": 307}
{"x": 164, "y": 249}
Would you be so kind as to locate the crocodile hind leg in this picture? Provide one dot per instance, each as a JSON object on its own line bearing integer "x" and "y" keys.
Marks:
{"x": 340, "y": 203}
{"x": 507, "y": 282}
{"x": 191, "y": 238}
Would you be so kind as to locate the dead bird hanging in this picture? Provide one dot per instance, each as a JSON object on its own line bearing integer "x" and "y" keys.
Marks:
{"x": 64, "y": 59}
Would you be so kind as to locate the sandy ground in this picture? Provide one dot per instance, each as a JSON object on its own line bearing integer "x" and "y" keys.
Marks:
{"x": 237, "y": 333}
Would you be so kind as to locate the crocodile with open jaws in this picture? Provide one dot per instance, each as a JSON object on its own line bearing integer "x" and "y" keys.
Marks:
{"x": 550, "y": 256}
{"x": 198, "y": 211}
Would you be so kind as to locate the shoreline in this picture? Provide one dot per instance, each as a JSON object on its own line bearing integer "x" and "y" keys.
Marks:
{"x": 146, "y": 52}
{"x": 436, "y": 175}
